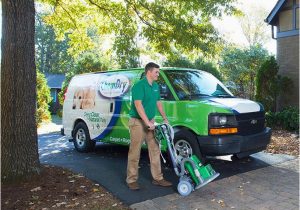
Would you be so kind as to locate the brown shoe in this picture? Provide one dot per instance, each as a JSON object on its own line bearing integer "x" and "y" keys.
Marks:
{"x": 133, "y": 186}
{"x": 163, "y": 183}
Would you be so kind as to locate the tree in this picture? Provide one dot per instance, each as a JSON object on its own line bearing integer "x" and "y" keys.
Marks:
{"x": 240, "y": 67}
{"x": 89, "y": 62}
{"x": 269, "y": 84}
{"x": 253, "y": 26}
{"x": 19, "y": 150}
{"x": 180, "y": 24}
{"x": 200, "y": 63}
{"x": 43, "y": 99}
{"x": 51, "y": 55}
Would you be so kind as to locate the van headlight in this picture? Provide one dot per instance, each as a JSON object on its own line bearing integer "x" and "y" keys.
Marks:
{"x": 222, "y": 120}
{"x": 222, "y": 124}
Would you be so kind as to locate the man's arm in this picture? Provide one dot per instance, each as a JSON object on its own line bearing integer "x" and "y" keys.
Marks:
{"x": 140, "y": 109}
{"x": 161, "y": 111}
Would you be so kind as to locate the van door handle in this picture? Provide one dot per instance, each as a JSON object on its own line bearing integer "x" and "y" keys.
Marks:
{"x": 111, "y": 107}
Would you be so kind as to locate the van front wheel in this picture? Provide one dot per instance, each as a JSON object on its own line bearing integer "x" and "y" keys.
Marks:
{"x": 82, "y": 140}
{"x": 186, "y": 145}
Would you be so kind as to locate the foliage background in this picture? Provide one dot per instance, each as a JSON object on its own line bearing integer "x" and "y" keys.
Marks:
{"x": 43, "y": 99}
{"x": 80, "y": 36}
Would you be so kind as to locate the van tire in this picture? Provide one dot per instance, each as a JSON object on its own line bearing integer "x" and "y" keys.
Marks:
{"x": 81, "y": 138}
{"x": 186, "y": 144}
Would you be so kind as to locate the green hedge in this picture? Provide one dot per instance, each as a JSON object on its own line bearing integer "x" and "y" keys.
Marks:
{"x": 287, "y": 119}
{"x": 43, "y": 99}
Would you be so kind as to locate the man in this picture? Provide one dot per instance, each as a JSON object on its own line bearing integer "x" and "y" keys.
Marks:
{"x": 145, "y": 101}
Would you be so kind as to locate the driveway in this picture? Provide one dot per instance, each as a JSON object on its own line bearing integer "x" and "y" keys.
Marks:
{"x": 107, "y": 166}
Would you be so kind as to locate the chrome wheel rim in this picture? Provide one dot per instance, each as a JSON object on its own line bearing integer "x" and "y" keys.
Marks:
{"x": 80, "y": 137}
{"x": 183, "y": 149}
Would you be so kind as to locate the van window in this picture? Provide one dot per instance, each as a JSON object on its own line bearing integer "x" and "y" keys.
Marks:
{"x": 196, "y": 84}
{"x": 165, "y": 93}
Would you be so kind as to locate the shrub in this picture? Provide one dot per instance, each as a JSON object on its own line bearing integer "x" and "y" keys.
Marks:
{"x": 269, "y": 84}
{"x": 59, "y": 113}
{"x": 43, "y": 99}
{"x": 287, "y": 119}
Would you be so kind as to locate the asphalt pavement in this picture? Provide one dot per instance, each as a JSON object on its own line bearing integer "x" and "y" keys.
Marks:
{"x": 107, "y": 166}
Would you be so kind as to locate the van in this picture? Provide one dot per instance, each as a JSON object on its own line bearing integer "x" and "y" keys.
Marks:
{"x": 207, "y": 118}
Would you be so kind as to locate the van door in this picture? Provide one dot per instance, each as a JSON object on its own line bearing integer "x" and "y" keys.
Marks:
{"x": 116, "y": 86}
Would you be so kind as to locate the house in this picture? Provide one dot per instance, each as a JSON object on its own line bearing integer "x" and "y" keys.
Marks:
{"x": 55, "y": 82}
{"x": 284, "y": 19}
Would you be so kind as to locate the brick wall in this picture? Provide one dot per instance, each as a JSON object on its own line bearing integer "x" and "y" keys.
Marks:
{"x": 288, "y": 61}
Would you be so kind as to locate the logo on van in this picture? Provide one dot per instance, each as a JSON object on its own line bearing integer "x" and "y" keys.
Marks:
{"x": 253, "y": 122}
{"x": 114, "y": 86}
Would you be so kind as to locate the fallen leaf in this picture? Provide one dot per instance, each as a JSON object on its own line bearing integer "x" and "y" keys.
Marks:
{"x": 35, "y": 197}
{"x": 115, "y": 204}
{"x": 36, "y": 189}
{"x": 59, "y": 204}
{"x": 95, "y": 190}
{"x": 63, "y": 196}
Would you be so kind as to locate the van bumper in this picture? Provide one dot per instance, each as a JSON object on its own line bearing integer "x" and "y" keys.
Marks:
{"x": 235, "y": 144}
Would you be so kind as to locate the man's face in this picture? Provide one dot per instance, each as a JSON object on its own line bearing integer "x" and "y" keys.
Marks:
{"x": 154, "y": 73}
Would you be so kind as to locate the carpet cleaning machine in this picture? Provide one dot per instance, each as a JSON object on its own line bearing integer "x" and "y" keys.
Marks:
{"x": 193, "y": 174}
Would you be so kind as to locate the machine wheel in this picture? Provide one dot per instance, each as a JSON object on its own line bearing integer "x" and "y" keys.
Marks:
{"x": 82, "y": 140}
{"x": 186, "y": 145}
{"x": 184, "y": 187}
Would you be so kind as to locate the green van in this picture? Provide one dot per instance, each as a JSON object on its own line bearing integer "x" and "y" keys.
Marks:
{"x": 207, "y": 119}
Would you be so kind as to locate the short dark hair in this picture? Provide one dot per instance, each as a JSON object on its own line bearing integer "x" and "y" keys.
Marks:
{"x": 150, "y": 66}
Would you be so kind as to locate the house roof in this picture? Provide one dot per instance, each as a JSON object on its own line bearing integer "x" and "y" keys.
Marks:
{"x": 271, "y": 17}
{"x": 55, "y": 80}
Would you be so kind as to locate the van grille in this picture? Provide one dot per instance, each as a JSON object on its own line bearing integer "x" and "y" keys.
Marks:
{"x": 250, "y": 123}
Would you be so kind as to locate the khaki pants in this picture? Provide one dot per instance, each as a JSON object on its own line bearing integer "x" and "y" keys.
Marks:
{"x": 138, "y": 133}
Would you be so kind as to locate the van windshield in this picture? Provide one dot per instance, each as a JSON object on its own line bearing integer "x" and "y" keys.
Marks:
{"x": 193, "y": 84}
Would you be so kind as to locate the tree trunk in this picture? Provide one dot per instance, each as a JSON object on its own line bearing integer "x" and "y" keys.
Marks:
{"x": 19, "y": 150}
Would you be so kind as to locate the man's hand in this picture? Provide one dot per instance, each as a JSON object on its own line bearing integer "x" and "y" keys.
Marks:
{"x": 166, "y": 121}
{"x": 151, "y": 125}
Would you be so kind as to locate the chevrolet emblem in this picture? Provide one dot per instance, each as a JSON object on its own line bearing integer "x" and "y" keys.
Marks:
{"x": 253, "y": 122}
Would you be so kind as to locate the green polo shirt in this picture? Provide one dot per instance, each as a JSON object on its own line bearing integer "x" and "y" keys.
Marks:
{"x": 148, "y": 94}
